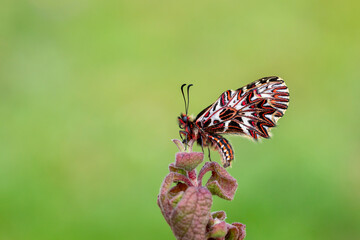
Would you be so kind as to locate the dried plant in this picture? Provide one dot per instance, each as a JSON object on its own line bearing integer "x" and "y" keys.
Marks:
{"x": 186, "y": 203}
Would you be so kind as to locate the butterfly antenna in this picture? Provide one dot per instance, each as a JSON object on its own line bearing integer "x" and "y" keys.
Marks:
{"x": 182, "y": 91}
{"x": 188, "y": 101}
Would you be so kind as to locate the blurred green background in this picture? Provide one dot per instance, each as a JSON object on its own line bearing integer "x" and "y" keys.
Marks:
{"x": 89, "y": 95}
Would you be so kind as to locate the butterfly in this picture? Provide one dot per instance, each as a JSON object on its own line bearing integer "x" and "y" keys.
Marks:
{"x": 250, "y": 111}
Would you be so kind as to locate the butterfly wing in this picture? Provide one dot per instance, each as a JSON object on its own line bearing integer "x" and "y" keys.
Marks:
{"x": 250, "y": 111}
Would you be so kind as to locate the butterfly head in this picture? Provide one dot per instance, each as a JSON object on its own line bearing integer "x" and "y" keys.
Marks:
{"x": 186, "y": 124}
{"x": 185, "y": 121}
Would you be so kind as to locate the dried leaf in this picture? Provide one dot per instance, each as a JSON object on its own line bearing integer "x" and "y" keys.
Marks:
{"x": 179, "y": 144}
{"x": 242, "y": 232}
{"x": 191, "y": 215}
{"x": 164, "y": 198}
{"x": 221, "y": 183}
{"x": 188, "y": 161}
{"x": 221, "y": 215}
{"x": 219, "y": 230}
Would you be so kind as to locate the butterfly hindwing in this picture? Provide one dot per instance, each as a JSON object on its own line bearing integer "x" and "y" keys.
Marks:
{"x": 250, "y": 111}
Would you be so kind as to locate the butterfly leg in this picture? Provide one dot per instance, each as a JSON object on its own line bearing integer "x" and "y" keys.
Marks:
{"x": 201, "y": 143}
{"x": 184, "y": 140}
{"x": 209, "y": 153}
{"x": 181, "y": 136}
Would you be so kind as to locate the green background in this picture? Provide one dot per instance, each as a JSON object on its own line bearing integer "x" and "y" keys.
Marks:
{"x": 89, "y": 95}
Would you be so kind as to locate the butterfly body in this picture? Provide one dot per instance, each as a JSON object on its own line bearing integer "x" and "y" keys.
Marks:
{"x": 249, "y": 111}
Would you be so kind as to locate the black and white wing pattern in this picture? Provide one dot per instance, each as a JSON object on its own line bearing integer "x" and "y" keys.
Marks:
{"x": 249, "y": 111}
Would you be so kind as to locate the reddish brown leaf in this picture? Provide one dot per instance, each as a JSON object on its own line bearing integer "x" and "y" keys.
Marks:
{"x": 221, "y": 183}
{"x": 191, "y": 215}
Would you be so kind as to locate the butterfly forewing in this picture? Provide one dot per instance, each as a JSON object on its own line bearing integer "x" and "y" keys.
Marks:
{"x": 251, "y": 110}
